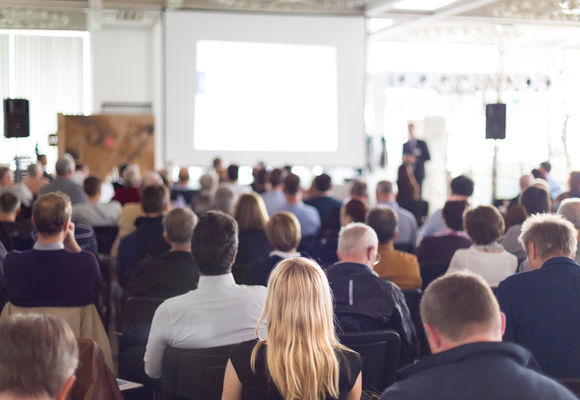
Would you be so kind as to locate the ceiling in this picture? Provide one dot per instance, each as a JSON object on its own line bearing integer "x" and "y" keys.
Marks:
{"x": 474, "y": 21}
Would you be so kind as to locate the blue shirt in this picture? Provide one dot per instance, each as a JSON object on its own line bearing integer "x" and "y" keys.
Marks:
{"x": 542, "y": 310}
{"x": 274, "y": 201}
{"x": 407, "y": 225}
{"x": 307, "y": 216}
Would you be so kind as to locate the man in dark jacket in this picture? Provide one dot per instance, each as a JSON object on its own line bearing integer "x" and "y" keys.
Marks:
{"x": 363, "y": 301}
{"x": 416, "y": 152}
{"x": 464, "y": 327}
{"x": 173, "y": 273}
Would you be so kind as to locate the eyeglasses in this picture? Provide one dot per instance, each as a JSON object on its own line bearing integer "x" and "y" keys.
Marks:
{"x": 378, "y": 260}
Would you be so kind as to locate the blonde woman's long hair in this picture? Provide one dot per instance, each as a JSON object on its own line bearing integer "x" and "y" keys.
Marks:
{"x": 250, "y": 212}
{"x": 301, "y": 344}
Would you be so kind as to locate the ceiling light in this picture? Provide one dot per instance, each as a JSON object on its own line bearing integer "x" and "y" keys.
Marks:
{"x": 422, "y": 5}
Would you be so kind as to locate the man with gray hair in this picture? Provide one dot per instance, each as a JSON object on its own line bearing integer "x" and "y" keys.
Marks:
{"x": 65, "y": 169}
{"x": 397, "y": 266}
{"x": 363, "y": 301}
{"x": 570, "y": 209}
{"x": 540, "y": 305}
{"x": 204, "y": 201}
{"x": 38, "y": 358}
{"x": 386, "y": 194}
{"x": 35, "y": 180}
{"x": 18, "y": 189}
{"x": 225, "y": 199}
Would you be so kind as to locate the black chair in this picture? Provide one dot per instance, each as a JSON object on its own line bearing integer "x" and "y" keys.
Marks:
{"x": 406, "y": 247}
{"x": 137, "y": 317}
{"x": 431, "y": 270}
{"x": 105, "y": 236}
{"x": 413, "y": 298}
{"x": 419, "y": 208}
{"x": 380, "y": 352}
{"x": 194, "y": 374}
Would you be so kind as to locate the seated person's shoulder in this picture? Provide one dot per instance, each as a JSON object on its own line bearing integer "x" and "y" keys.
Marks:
{"x": 256, "y": 291}
{"x": 406, "y": 257}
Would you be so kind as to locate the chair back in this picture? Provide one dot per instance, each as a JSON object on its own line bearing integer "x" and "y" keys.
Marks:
{"x": 194, "y": 374}
{"x": 105, "y": 236}
{"x": 419, "y": 209}
{"x": 431, "y": 270}
{"x": 137, "y": 318}
{"x": 380, "y": 352}
{"x": 406, "y": 247}
{"x": 413, "y": 298}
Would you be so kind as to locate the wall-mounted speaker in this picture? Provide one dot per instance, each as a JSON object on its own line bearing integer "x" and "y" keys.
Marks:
{"x": 16, "y": 119}
{"x": 495, "y": 117}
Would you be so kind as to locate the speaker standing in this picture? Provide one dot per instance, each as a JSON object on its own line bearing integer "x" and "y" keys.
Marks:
{"x": 416, "y": 152}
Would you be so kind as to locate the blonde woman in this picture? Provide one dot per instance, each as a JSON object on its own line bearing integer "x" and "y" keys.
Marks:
{"x": 302, "y": 359}
{"x": 252, "y": 218}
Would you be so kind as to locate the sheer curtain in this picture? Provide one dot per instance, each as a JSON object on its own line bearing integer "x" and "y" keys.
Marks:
{"x": 51, "y": 70}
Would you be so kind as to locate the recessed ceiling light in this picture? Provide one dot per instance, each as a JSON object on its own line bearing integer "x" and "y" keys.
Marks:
{"x": 423, "y": 5}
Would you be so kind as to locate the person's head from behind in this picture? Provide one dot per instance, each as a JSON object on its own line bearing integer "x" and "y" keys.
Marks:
{"x": 276, "y": 178}
{"x": 458, "y": 309}
{"x": 131, "y": 178}
{"x": 301, "y": 334}
{"x": 183, "y": 177}
{"x": 250, "y": 212}
{"x": 233, "y": 173}
{"x": 574, "y": 181}
{"x": 38, "y": 357}
{"x": 51, "y": 214}
{"x": 65, "y": 166}
{"x": 547, "y": 235}
{"x": 385, "y": 192}
{"x": 283, "y": 231}
{"x": 154, "y": 200}
{"x": 6, "y": 177}
{"x": 216, "y": 243}
{"x": 9, "y": 207}
{"x": 178, "y": 226}
{"x": 570, "y": 209}
{"x": 546, "y": 166}
{"x": 385, "y": 222}
{"x": 352, "y": 211}
{"x": 41, "y": 158}
{"x": 149, "y": 178}
{"x": 206, "y": 182}
{"x": 292, "y": 186}
{"x": 462, "y": 186}
{"x": 535, "y": 200}
{"x": 525, "y": 182}
{"x": 453, "y": 214}
{"x": 225, "y": 200}
{"x": 323, "y": 183}
{"x": 539, "y": 174}
{"x": 358, "y": 243}
{"x": 92, "y": 186}
{"x": 35, "y": 170}
{"x": 484, "y": 225}
{"x": 359, "y": 190}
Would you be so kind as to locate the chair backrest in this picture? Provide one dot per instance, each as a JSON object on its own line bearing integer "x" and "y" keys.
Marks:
{"x": 137, "y": 318}
{"x": 419, "y": 208}
{"x": 406, "y": 247}
{"x": 431, "y": 270}
{"x": 413, "y": 298}
{"x": 195, "y": 374}
{"x": 380, "y": 352}
{"x": 105, "y": 236}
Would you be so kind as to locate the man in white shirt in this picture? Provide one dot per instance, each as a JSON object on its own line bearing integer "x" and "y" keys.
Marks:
{"x": 218, "y": 312}
{"x": 94, "y": 213}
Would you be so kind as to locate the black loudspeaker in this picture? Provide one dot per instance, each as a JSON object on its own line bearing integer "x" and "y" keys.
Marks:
{"x": 16, "y": 120}
{"x": 495, "y": 121}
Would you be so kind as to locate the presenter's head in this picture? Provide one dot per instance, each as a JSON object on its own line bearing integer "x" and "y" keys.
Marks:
{"x": 411, "y": 129}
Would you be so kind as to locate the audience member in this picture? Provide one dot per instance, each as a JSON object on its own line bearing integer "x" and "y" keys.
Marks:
{"x": 570, "y": 209}
{"x": 94, "y": 213}
{"x": 515, "y": 213}
{"x": 539, "y": 174}
{"x": 322, "y": 199}
{"x": 65, "y": 168}
{"x": 538, "y": 304}
{"x": 534, "y": 200}
{"x": 352, "y": 211}
{"x": 555, "y": 188}
{"x": 409, "y": 189}
{"x": 181, "y": 192}
{"x": 132, "y": 211}
{"x": 35, "y": 179}
{"x": 204, "y": 201}
{"x": 148, "y": 238}
{"x": 166, "y": 178}
{"x": 81, "y": 173}
{"x": 461, "y": 189}
{"x": 464, "y": 327}
{"x": 307, "y": 215}
{"x": 251, "y": 215}
{"x": 41, "y": 158}
{"x": 129, "y": 192}
{"x": 19, "y": 232}
{"x": 363, "y": 301}
{"x": 218, "y": 312}
{"x": 38, "y": 358}
{"x": 442, "y": 246}
{"x": 573, "y": 187}
{"x": 260, "y": 174}
{"x": 55, "y": 272}
{"x": 283, "y": 231}
{"x": 301, "y": 358}
{"x": 407, "y": 222}
{"x": 225, "y": 199}
{"x": 399, "y": 267}
{"x": 18, "y": 189}
{"x": 486, "y": 257}
{"x": 182, "y": 180}
{"x": 170, "y": 274}
{"x": 233, "y": 174}
{"x": 274, "y": 198}
{"x": 359, "y": 190}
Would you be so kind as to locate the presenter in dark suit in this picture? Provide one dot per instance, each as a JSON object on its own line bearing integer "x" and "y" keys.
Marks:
{"x": 416, "y": 153}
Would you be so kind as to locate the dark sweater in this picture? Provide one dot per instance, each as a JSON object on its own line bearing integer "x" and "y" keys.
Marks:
{"x": 252, "y": 245}
{"x": 441, "y": 248}
{"x": 53, "y": 278}
{"x": 259, "y": 271}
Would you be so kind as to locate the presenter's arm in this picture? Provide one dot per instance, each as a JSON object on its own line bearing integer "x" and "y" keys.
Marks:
{"x": 232, "y": 385}
{"x": 356, "y": 391}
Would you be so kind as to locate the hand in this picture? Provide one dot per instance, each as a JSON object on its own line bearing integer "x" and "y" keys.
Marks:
{"x": 69, "y": 240}
{"x": 410, "y": 158}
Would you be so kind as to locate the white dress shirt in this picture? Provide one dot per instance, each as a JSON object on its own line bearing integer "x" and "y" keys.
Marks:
{"x": 492, "y": 267}
{"x": 217, "y": 313}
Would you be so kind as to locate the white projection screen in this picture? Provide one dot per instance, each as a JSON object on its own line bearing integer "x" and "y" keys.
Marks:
{"x": 283, "y": 89}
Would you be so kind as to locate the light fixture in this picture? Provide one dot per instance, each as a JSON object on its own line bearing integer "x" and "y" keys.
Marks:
{"x": 489, "y": 34}
{"x": 556, "y": 10}
{"x": 422, "y": 5}
{"x": 27, "y": 18}
{"x": 291, "y": 5}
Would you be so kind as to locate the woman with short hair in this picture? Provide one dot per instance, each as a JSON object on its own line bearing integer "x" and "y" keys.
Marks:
{"x": 302, "y": 357}
{"x": 486, "y": 257}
